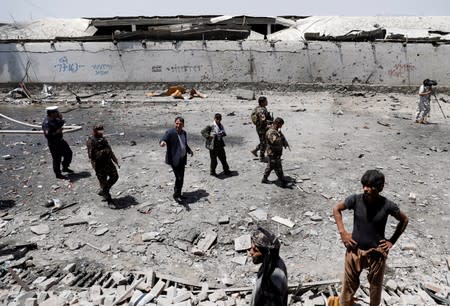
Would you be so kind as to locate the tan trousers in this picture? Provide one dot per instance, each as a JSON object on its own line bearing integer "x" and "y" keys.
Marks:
{"x": 355, "y": 261}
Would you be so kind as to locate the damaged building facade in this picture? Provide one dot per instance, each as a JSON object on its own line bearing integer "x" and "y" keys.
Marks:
{"x": 223, "y": 49}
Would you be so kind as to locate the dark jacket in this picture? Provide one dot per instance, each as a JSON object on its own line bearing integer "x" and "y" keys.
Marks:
{"x": 172, "y": 143}
{"x": 52, "y": 130}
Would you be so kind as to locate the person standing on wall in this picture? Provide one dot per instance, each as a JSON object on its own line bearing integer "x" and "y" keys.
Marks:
{"x": 175, "y": 139}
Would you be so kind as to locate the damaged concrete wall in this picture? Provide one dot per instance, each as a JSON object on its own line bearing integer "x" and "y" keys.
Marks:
{"x": 226, "y": 61}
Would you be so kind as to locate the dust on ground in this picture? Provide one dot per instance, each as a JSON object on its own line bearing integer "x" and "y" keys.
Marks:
{"x": 334, "y": 135}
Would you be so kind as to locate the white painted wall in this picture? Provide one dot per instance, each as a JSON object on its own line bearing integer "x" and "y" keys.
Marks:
{"x": 226, "y": 61}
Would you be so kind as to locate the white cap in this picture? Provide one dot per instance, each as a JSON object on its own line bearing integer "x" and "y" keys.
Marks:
{"x": 51, "y": 108}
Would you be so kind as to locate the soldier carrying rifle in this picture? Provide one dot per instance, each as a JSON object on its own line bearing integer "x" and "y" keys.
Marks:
{"x": 275, "y": 142}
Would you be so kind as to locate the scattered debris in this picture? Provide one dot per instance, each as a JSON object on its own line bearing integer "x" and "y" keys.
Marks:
{"x": 40, "y": 229}
{"x": 244, "y": 94}
{"x": 242, "y": 243}
{"x": 205, "y": 241}
{"x": 283, "y": 221}
{"x": 383, "y": 123}
{"x": 224, "y": 220}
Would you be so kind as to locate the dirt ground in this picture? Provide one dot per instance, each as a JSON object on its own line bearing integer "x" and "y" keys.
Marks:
{"x": 334, "y": 136}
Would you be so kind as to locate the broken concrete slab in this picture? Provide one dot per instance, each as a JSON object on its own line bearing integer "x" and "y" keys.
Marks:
{"x": 206, "y": 240}
{"x": 217, "y": 295}
{"x": 156, "y": 290}
{"x": 283, "y": 221}
{"x": 30, "y": 302}
{"x": 48, "y": 283}
{"x": 151, "y": 236}
{"x": 316, "y": 218}
{"x": 242, "y": 243}
{"x": 70, "y": 267}
{"x": 244, "y": 94}
{"x": 68, "y": 279}
{"x": 101, "y": 231}
{"x": 240, "y": 260}
{"x": 224, "y": 219}
{"x": 408, "y": 246}
{"x": 391, "y": 285}
{"x": 53, "y": 301}
{"x": 118, "y": 278}
{"x": 258, "y": 214}
{"x": 40, "y": 229}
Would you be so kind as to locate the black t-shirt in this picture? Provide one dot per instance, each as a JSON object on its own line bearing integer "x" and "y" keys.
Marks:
{"x": 369, "y": 219}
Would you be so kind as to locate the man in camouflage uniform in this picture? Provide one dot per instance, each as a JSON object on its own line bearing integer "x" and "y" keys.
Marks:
{"x": 262, "y": 119}
{"x": 102, "y": 158}
{"x": 275, "y": 141}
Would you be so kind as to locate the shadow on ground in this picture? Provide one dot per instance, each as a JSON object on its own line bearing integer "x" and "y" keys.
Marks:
{"x": 7, "y": 204}
{"x": 125, "y": 202}
{"x": 191, "y": 197}
{"x": 223, "y": 176}
{"x": 79, "y": 175}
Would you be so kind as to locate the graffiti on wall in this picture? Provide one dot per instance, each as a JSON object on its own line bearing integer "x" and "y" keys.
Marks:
{"x": 178, "y": 69}
{"x": 400, "y": 69}
{"x": 64, "y": 65}
{"x": 102, "y": 69}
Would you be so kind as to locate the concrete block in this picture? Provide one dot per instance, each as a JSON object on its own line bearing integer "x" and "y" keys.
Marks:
{"x": 98, "y": 300}
{"x": 408, "y": 246}
{"x": 245, "y": 94}
{"x": 240, "y": 260}
{"x": 30, "y": 302}
{"x": 224, "y": 220}
{"x": 391, "y": 285}
{"x": 156, "y": 290}
{"x": 283, "y": 221}
{"x": 181, "y": 297}
{"x": 53, "y": 301}
{"x": 206, "y": 240}
{"x": 70, "y": 267}
{"x": 42, "y": 296}
{"x": 218, "y": 295}
{"x": 258, "y": 214}
{"x": 40, "y": 229}
{"x": 118, "y": 278}
{"x": 109, "y": 299}
{"x": 242, "y": 243}
{"x": 68, "y": 279}
{"x": 39, "y": 280}
{"x": 95, "y": 291}
{"x": 47, "y": 284}
{"x": 231, "y": 301}
{"x": 171, "y": 292}
{"x": 203, "y": 295}
{"x": 151, "y": 236}
{"x": 22, "y": 297}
